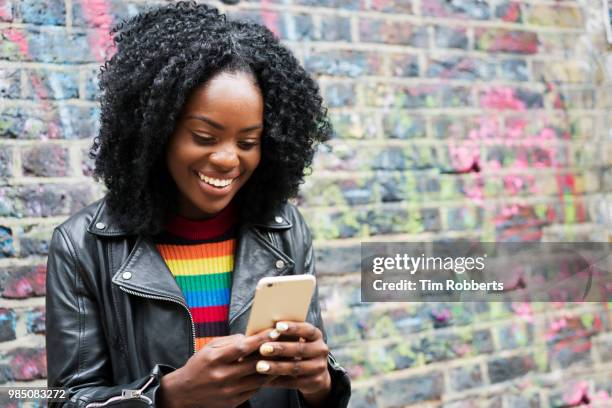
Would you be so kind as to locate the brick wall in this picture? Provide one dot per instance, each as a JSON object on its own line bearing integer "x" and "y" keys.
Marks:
{"x": 458, "y": 118}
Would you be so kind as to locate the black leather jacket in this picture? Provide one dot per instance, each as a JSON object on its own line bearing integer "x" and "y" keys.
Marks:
{"x": 117, "y": 320}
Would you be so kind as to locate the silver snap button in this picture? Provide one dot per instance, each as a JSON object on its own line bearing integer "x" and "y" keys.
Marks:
{"x": 279, "y": 220}
{"x": 280, "y": 264}
{"x": 126, "y": 275}
{"x": 100, "y": 225}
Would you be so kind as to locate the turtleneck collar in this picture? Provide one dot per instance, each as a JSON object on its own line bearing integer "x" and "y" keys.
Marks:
{"x": 202, "y": 229}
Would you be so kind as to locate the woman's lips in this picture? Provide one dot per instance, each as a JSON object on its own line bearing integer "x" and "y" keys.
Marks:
{"x": 219, "y": 185}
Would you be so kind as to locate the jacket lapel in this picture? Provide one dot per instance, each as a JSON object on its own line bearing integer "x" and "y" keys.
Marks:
{"x": 255, "y": 258}
{"x": 145, "y": 271}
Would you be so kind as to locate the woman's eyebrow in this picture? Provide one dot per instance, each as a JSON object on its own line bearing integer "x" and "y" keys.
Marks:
{"x": 218, "y": 126}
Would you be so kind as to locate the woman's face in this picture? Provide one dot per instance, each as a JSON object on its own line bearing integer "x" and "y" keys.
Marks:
{"x": 216, "y": 145}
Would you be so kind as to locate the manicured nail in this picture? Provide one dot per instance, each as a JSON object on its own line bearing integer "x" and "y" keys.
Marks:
{"x": 266, "y": 349}
{"x": 282, "y": 326}
{"x": 262, "y": 367}
{"x": 274, "y": 334}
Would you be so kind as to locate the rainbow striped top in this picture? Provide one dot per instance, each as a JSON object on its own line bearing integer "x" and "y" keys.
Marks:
{"x": 200, "y": 256}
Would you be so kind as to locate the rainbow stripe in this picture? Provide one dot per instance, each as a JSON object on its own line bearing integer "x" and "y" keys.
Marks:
{"x": 203, "y": 271}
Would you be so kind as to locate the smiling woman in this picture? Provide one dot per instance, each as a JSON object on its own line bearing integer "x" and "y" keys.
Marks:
{"x": 207, "y": 127}
{"x": 216, "y": 145}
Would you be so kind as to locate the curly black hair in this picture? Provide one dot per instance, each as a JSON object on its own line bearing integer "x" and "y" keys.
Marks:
{"x": 162, "y": 56}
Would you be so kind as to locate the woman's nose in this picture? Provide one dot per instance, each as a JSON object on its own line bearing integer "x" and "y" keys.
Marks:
{"x": 226, "y": 158}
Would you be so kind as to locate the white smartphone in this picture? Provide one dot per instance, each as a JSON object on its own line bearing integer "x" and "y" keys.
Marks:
{"x": 280, "y": 298}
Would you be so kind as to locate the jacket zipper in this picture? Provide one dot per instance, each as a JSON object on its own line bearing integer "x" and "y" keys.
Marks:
{"x": 129, "y": 394}
{"x": 171, "y": 300}
{"x": 126, "y": 394}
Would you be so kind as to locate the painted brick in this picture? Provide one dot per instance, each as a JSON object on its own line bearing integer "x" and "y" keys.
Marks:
{"x": 514, "y": 70}
{"x": 363, "y": 398}
{"x": 49, "y": 122}
{"x": 92, "y": 85}
{"x": 466, "y": 377}
{"x": 45, "y": 84}
{"x": 430, "y": 217}
{"x": 469, "y": 9}
{"x": 563, "y": 71}
{"x": 10, "y": 83}
{"x": 46, "y": 46}
{"x": 45, "y": 161}
{"x": 564, "y": 99}
{"x": 26, "y": 363}
{"x": 7, "y": 249}
{"x": 555, "y": 43}
{"x": 392, "y": 32}
{"x": 296, "y": 27}
{"x": 331, "y": 260}
{"x": 555, "y": 16}
{"x": 604, "y": 348}
{"x": 527, "y": 399}
{"x": 482, "y": 341}
{"x": 7, "y": 12}
{"x": 465, "y": 218}
{"x": 343, "y": 63}
{"x": 6, "y": 159}
{"x": 510, "y": 98}
{"x": 34, "y": 240}
{"x": 573, "y": 353}
{"x": 502, "y": 40}
{"x": 87, "y": 163}
{"x": 509, "y": 11}
{"x": 404, "y": 65}
{"x": 482, "y": 401}
{"x": 409, "y": 390}
{"x": 51, "y": 12}
{"x": 254, "y": 16}
{"x": 388, "y": 6}
{"x": 44, "y": 200}
{"x": 460, "y": 68}
{"x": 451, "y": 37}
{"x": 103, "y": 15}
{"x": 8, "y": 323}
{"x": 335, "y": 28}
{"x": 35, "y": 320}
{"x": 339, "y": 94}
{"x": 401, "y": 125}
{"x": 418, "y": 96}
{"x": 505, "y": 369}
{"x": 515, "y": 335}
{"x": 23, "y": 282}
{"x": 448, "y": 127}
{"x": 354, "y": 126}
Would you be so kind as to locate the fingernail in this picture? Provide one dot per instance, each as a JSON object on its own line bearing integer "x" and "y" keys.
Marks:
{"x": 282, "y": 326}
{"x": 266, "y": 349}
{"x": 262, "y": 367}
{"x": 274, "y": 334}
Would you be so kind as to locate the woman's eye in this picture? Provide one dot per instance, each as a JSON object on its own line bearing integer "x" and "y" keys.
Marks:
{"x": 205, "y": 140}
{"x": 247, "y": 145}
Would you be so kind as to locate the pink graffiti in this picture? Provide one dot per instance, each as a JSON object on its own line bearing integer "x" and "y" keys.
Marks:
{"x": 270, "y": 18}
{"x": 523, "y": 310}
{"x": 28, "y": 366}
{"x": 580, "y": 395}
{"x": 18, "y": 38}
{"x": 97, "y": 13}
{"x": 501, "y": 98}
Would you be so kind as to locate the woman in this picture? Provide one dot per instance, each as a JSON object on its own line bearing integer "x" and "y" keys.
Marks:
{"x": 207, "y": 127}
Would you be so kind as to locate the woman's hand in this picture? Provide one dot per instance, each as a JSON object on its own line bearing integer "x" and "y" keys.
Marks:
{"x": 221, "y": 374}
{"x": 304, "y": 363}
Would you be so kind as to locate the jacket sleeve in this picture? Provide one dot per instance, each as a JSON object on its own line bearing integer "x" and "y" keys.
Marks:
{"x": 77, "y": 351}
{"x": 341, "y": 384}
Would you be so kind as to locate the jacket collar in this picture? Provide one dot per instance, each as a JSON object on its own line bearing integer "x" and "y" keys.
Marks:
{"x": 144, "y": 270}
{"x": 103, "y": 224}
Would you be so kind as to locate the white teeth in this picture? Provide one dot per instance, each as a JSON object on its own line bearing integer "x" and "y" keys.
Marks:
{"x": 215, "y": 182}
